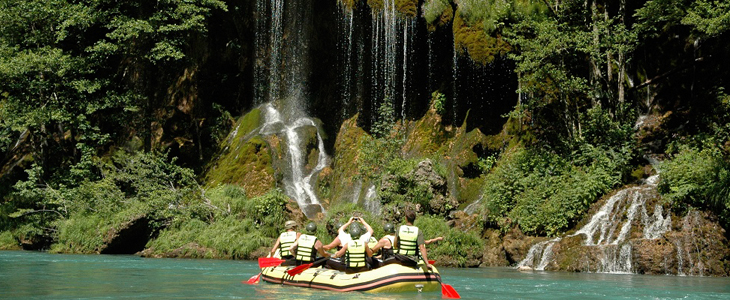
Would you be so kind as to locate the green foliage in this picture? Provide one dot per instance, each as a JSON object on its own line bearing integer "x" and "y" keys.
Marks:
{"x": 229, "y": 237}
{"x": 698, "y": 177}
{"x": 433, "y": 9}
{"x": 83, "y": 234}
{"x": 544, "y": 193}
{"x": 268, "y": 212}
{"x": 494, "y": 15}
{"x": 711, "y": 18}
{"x": 8, "y": 241}
{"x": 237, "y": 228}
{"x": 130, "y": 185}
{"x": 384, "y": 145}
{"x": 458, "y": 246}
{"x": 439, "y": 102}
{"x": 228, "y": 198}
{"x": 385, "y": 119}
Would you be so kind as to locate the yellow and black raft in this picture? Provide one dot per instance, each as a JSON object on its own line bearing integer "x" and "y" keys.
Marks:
{"x": 388, "y": 278}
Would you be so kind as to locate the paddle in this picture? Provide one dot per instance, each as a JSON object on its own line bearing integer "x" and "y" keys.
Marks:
{"x": 301, "y": 268}
{"x": 254, "y": 279}
{"x": 265, "y": 262}
{"x": 447, "y": 291}
{"x": 298, "y": 269}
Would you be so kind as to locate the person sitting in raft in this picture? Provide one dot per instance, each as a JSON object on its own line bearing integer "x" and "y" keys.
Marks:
{"x": 410, "y": 244}
{"x": 285, "y": 241}
{"x": 384, "y": 247}
{"x": 356, "y": 253}
{"x": 307, "y": 247}
{"x": 343, "y": 237}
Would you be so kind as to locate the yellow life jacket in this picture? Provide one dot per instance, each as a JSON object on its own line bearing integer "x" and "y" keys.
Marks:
{"x": 372, "y": 243}
{"x": 356, "y": 254}
{"x": 286, "y": 240}
{"x": 305, "y": 249}
{"x": 408, "y": 240}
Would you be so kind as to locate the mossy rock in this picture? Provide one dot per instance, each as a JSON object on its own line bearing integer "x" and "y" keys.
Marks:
{"x": 427, "y": 135}
{"x": 439, "y": 16}
{"x": 350, "y": 139}
{"x": 474, "y": 42}
{"x": 349, "y": 4}
{"x": 407, "y": 8}
{"x": 246, "y": 159}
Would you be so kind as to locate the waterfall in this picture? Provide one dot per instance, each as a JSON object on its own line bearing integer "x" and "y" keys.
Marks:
{"x": 281, "y": 71}
{"x": 347, "y": 22}
{"x": 454, "y": 82}
{"x": 609, "y": 229}
{"x": 392, "y": 42}
{"x": 371, "y": 204}
{"x": 298, "y": 183}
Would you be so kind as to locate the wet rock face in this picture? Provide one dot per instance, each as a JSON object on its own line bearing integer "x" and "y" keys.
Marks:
{"x": 423, "y": 186}
{"x": 698, "y": 247}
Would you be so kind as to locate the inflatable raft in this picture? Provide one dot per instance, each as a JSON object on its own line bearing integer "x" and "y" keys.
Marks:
{"x": 388, "y": 278}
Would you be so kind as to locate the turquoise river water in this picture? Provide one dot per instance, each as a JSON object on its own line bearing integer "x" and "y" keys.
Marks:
{"x": 37, "y": 275}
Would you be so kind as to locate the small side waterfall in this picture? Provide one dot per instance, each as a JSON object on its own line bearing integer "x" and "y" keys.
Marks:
{"x": 609, "y": 230}
{"x": 298, "y": 182}
{"x": 281, "y": 70}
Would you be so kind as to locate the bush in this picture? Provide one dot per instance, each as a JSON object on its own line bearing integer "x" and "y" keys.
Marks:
{"x": 83, "y": 234}
{"x": 458, "y": 246}
{"x": 545, "y": 194}
{"x": 698, "y": 178}
{"x": 8, "y": 241}
{"x": 229, "y": 237}
{"x": 268, "y": 212}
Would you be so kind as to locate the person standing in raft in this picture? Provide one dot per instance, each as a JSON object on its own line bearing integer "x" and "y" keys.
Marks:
{"x": 410, "y": 243}
{"x": 285, "y": 241}
{"x": 307, "y": 247}
{"x": 356, "y": 253}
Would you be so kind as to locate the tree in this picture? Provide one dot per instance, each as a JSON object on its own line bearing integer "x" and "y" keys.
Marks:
{"x": 77, "y": 76}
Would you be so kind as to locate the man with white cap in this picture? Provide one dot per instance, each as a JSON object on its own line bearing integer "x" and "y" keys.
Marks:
{"x": 286, "y": 240}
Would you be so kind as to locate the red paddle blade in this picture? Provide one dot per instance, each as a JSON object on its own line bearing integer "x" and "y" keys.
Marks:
{"x": 447, "y": 291}
{"x": 298, "y": 269}
{"x": 431, "y": 262}
{"x": 254, "y": 279}
{"x": 265, "y": 262}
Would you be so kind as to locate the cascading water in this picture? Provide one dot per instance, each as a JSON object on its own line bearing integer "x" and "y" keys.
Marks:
{"x": 610, "y": 228}
{"x": 346, "y": 44}
{"x": 391, "y": 40}
{"x": 281, "y": 69}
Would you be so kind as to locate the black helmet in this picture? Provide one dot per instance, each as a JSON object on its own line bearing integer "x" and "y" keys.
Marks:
{"x": 355, "y": 231}
{"x": 338, "y": 224}
{"x": 311, "y": 227}
{"x": 389, "y": 228}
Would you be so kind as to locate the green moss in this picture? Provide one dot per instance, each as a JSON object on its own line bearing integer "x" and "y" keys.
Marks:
{"x": 245, "y": 161}
{"x": 405, "y": 7}
{"x": 474, "y": 42}
{"x": 428, "y": 135}
{"x": 249, "y": 122}
{"x": 350, "y": 139}
{"x": 437, "y": 13}
{"x": 348, "y": 4}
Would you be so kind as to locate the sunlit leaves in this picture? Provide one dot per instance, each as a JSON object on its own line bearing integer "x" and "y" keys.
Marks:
{"x": 709, "y": 17}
